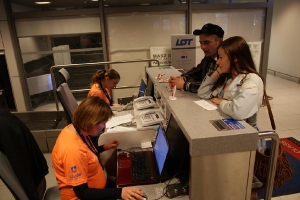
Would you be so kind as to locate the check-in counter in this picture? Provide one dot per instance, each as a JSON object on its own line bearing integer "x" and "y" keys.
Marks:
{"x": 221, "y": 161}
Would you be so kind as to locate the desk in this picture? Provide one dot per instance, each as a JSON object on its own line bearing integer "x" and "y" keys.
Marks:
{"x": 128, "y": 139}
{"x": 221, "y": 161}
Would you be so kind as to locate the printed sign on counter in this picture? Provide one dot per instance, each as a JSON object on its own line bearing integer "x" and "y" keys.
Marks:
{"x": 183, "y": 51}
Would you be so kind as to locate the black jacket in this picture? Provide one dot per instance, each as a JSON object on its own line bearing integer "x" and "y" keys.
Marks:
{"x": 23, "y": 153}
{"x": 193, "y": 78}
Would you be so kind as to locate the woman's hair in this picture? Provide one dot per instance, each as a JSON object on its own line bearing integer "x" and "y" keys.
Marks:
{"x": 239, "y": 54}
{"x": 90, "y": 112}
{"x": 101, "y": 74}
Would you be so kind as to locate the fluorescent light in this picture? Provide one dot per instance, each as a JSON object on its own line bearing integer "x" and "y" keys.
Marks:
{"x": 94, "y": 0}
{"x": 42, "y": 2}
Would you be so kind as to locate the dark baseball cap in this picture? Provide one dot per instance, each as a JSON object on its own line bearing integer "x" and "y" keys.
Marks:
{"x": 210, "y": 29}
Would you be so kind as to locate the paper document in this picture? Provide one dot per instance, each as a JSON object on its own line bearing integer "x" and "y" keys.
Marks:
{"x": 207, "y": 105}
{"x": 146, "y": 145}
{"x": 121, "y": 129}
{"x": 115, "y": 121}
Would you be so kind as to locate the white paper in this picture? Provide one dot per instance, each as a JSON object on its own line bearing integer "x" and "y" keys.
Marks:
{"x": 146, "y": 145}
{"x": 115, "y": 121}
{"x": 121, "y": 129}
{"x": 206, "y": 105}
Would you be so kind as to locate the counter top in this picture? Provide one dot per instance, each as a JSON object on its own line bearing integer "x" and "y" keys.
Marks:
{"x": 203, "y": 137}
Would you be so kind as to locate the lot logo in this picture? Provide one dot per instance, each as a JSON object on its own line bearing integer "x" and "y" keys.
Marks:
{"x": 183, "y": 42}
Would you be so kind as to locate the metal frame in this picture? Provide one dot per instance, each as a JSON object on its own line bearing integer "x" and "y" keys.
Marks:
{"x": 89, "y": 65}
{"x": 272, "y": 162}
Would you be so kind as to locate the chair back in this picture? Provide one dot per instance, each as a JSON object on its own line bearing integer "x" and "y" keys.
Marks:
{"x": 66, "y": 97}
{"x": 10, "y": 179}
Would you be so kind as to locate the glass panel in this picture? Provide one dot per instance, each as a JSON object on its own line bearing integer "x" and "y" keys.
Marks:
{"x": 55, "y": 41}
{"x": 130, "y": 37}
{"x": 250, "y": 24}
{"x": 248, "y": 1}
{"x": 28, "y": 6}
{"x": 57, "y": 26}
{"x": 209, "y": 1}
{"x": 127, "y": 3}
{"x": 225, "y": 1}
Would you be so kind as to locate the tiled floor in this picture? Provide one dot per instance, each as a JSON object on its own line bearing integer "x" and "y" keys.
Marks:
{"x": 286, "y": 110}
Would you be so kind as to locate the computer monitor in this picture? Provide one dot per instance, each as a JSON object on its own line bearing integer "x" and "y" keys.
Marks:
{"x": 150, "y": 88}
{"x": 142, "y": 89}
{"x": 179, "y": 150}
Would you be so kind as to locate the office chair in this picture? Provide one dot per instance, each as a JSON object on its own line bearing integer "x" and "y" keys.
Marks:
{"x": 65, "y": 96}
{"x": 11, "y": 181}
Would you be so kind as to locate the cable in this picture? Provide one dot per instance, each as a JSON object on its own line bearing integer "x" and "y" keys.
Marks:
{"x": 125, "y": 107}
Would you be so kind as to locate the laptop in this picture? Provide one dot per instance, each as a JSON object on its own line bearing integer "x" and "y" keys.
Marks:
{"x": 141, "y": 93}
{"x": 129, "y": 171}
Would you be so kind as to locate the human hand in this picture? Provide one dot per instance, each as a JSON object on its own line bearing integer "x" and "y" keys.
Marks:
{"x": 219, "y": 71}
{"x": 111, "y": 145}
{"x": 129, "y": 193}
{"x": 178, "y": 81}
{"x": 216, "y": 100}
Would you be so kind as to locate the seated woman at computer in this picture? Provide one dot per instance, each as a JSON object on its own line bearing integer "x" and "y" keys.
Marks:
{"x": 235, "y": 85}
{"x": 76, "y": 163}
{"x": 103, "y": 82}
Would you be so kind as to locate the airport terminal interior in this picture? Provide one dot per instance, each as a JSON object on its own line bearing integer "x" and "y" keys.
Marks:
{"x": 286, "y": 109}
{"x": 83, "y": 35}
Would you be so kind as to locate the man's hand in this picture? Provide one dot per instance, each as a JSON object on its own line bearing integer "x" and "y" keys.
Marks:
{"x": 216, "y": 100}
{"x": 111, "y": 145}
{"x": 178, "y": 81}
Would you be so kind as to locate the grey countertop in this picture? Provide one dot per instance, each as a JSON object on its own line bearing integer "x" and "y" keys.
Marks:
{"x": 194, "y": 121}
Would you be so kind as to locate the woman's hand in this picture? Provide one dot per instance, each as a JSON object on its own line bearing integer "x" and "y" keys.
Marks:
{"x": 216, "y": 100}
{"x": 217, "y": 73}
{"x": 130, "y": 193}
{"x": 111, "y": 145}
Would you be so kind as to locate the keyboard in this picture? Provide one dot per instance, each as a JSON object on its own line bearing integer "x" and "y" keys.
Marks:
{"x": 141, "y": 167}
{"x": 124, "y": 112}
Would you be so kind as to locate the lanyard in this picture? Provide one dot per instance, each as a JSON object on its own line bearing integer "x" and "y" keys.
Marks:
{"x": 106, "y": 94}
{"x": 87, "y": 140}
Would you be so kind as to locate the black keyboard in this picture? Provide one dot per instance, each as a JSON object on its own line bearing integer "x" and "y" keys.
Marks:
{"x": 141, "y": 167}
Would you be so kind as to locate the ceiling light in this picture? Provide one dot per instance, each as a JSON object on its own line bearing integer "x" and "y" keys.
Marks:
{"x": 94, "y": 0}
{"x": 42, "y": 2}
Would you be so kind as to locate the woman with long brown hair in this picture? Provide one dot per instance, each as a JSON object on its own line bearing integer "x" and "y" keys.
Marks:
{"x": 103, "y": 82}
{"x": 235, "y": 85}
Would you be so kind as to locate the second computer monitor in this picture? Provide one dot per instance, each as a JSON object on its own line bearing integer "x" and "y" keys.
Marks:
{"x": 179, "y": 150}
{"x": 142, "y": 89}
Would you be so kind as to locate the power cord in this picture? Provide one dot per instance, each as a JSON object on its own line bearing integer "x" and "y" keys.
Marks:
{"x": 125, "y": 107}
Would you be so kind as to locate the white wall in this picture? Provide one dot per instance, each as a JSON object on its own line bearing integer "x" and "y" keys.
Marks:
{"x": 285, "y": 42}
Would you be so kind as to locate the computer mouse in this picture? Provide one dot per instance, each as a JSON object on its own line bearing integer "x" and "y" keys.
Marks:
{"x": 144, "y": 197}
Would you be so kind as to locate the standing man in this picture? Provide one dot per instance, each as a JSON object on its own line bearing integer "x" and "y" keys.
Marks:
{"x": 210, "y": 36}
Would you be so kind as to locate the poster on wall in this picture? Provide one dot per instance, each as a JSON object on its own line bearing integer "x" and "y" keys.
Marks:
{"x": 255, "y": 48}
{"x": 162, "y": 54}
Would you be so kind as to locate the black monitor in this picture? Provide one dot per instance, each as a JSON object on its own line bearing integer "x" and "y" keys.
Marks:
{"x": 142, "y": 89}
{"x": 179, "y": 150}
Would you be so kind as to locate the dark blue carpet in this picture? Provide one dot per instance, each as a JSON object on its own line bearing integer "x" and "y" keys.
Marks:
{"x": 292, "y": 186}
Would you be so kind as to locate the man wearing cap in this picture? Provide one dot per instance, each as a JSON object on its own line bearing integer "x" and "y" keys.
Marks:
{"x": 210, "y": 36}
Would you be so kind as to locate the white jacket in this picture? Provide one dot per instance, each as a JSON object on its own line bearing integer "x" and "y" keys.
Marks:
{"x": 243, "y": 99}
